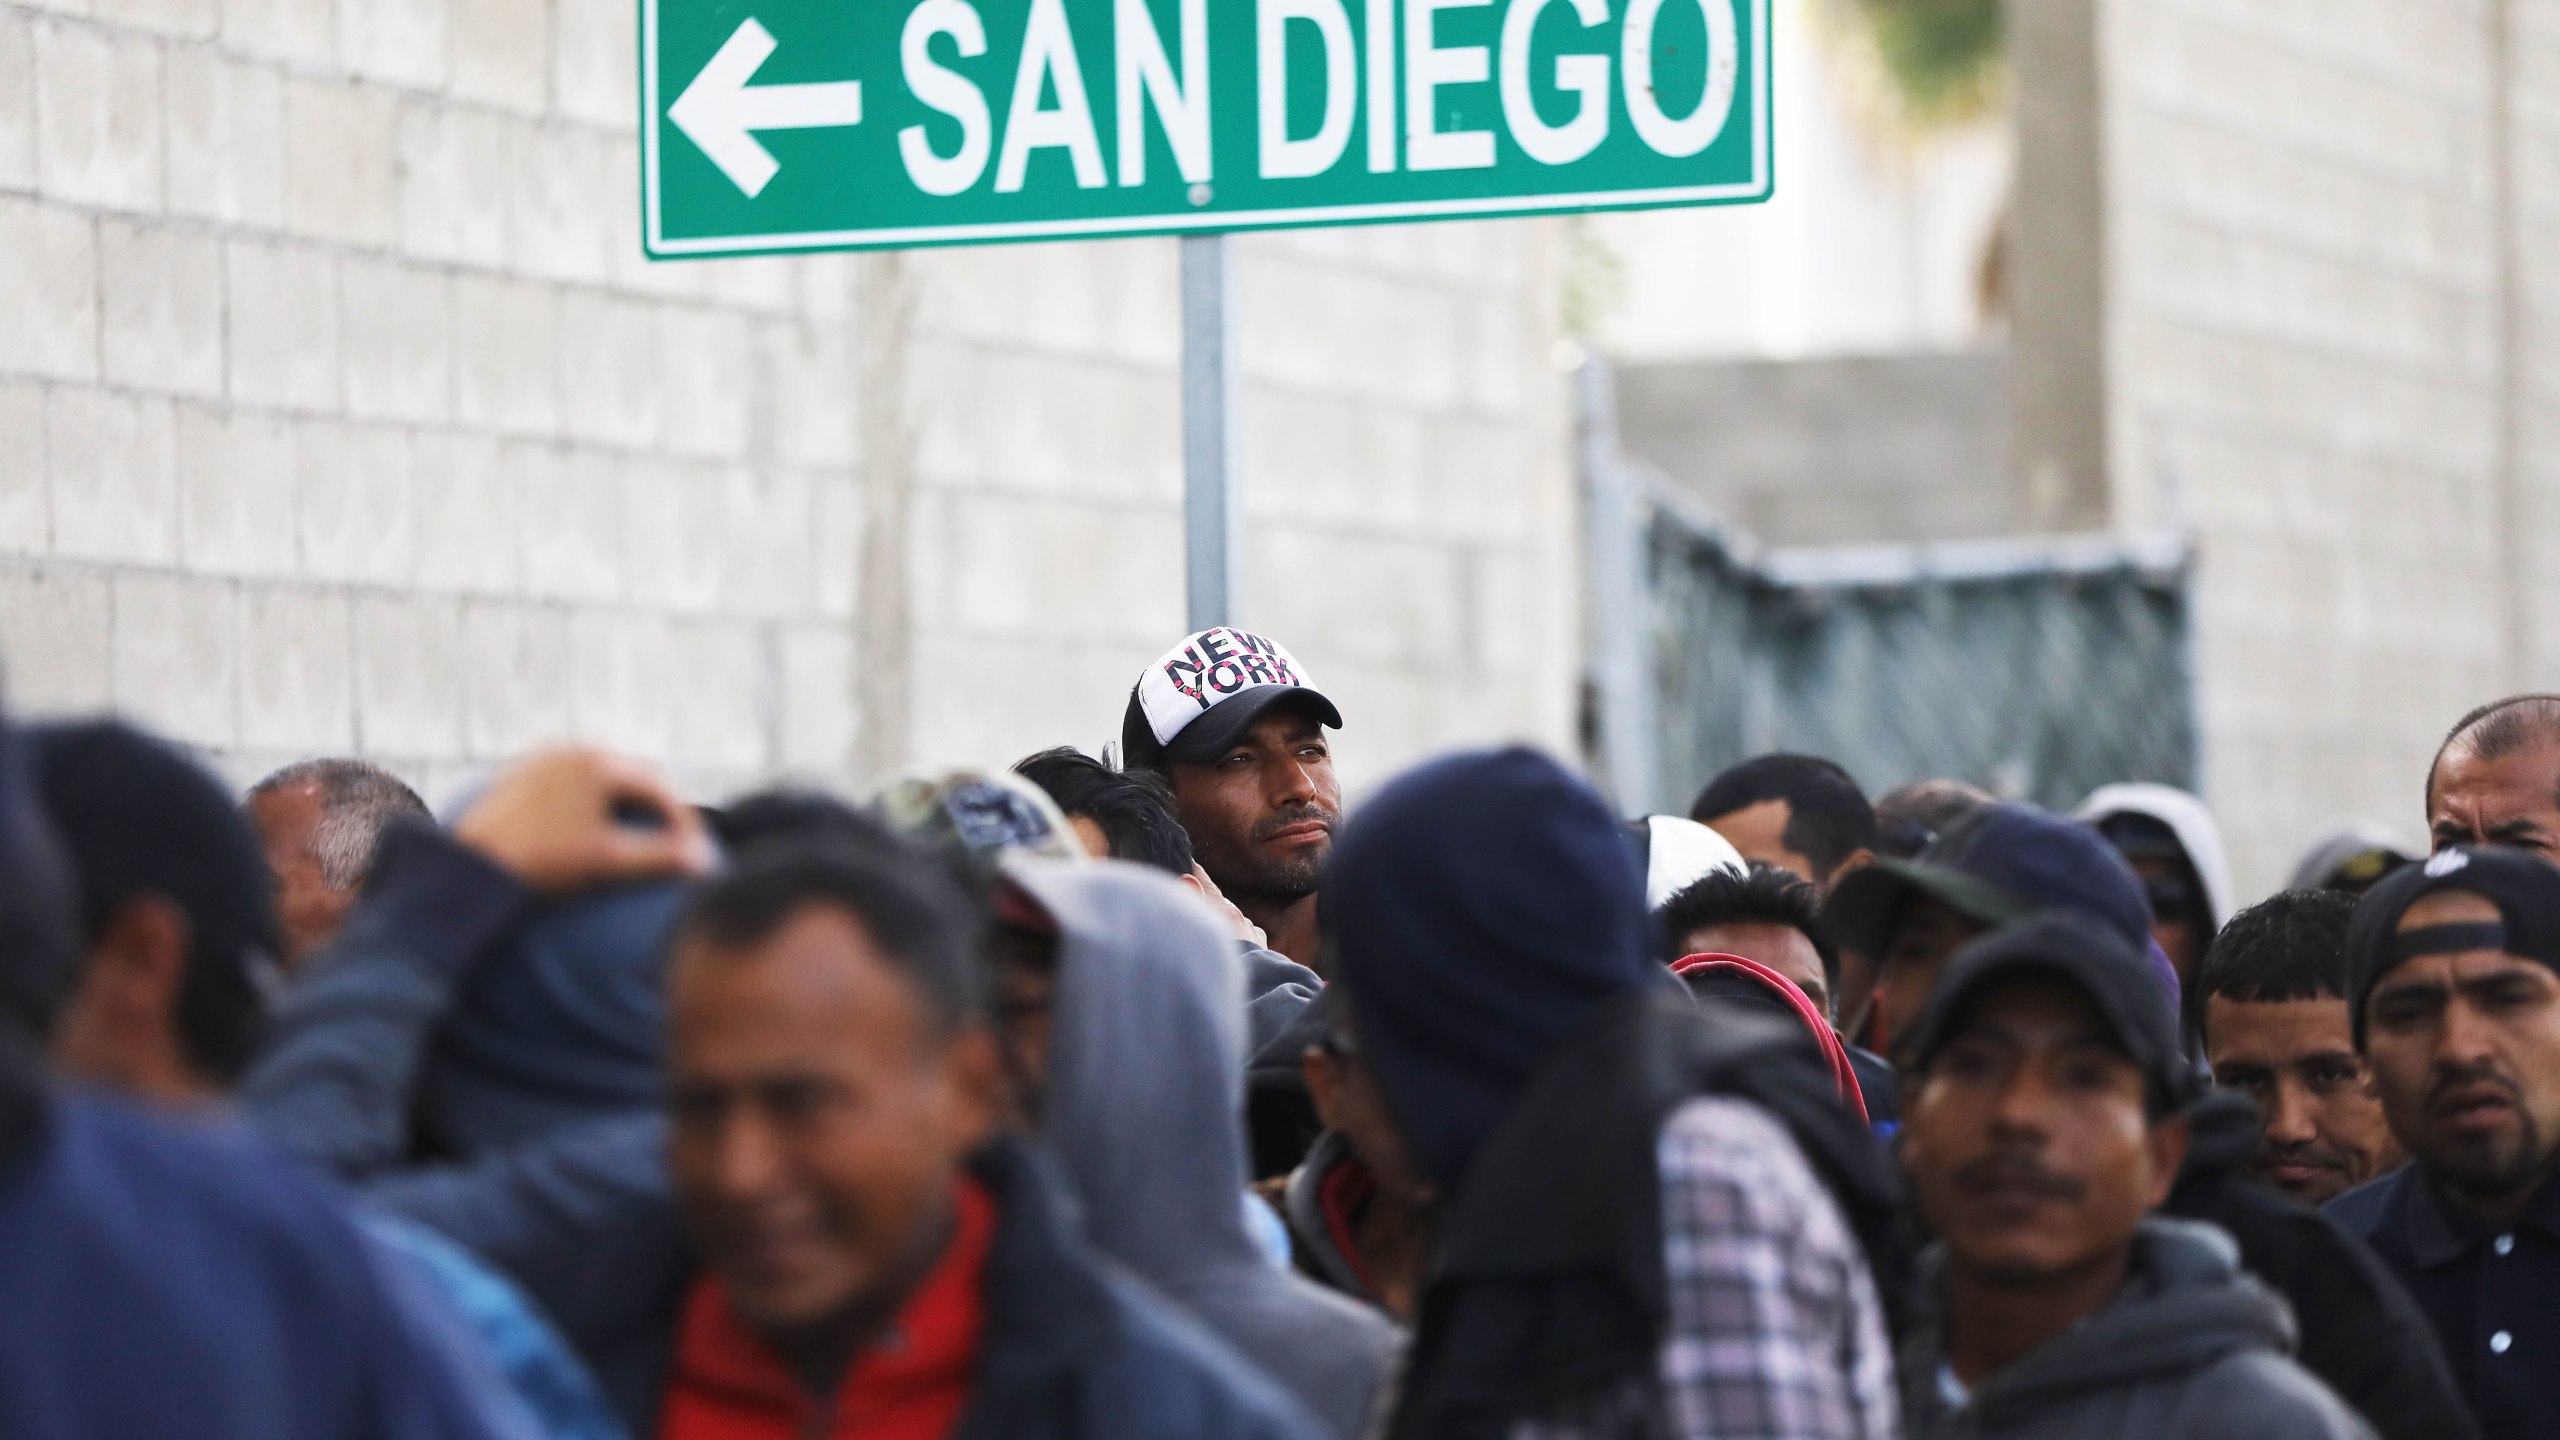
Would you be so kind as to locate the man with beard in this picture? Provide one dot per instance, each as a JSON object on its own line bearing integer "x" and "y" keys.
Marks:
{"x": 1234, "y": 724}
{"x": 2456, "y": 1006}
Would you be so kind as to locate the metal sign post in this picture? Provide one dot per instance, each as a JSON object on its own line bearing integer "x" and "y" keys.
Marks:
{"x": 1212, "y": 518}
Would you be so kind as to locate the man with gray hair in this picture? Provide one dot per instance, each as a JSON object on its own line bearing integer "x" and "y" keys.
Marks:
{"x": 321, "y": 821}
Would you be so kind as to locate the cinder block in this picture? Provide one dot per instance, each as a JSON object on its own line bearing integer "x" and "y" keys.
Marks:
{"x": 502, "y": 53}
{"x": 673, "y": 555}
{"x": 1037, "y": 567}
{"x": 283, "y": 308}
{"x": 771, "y": 544}
{"x": 704, "y": 370}
{"x": 397, "y": 323}
{"x": 842, "y": 521}
{"x": 176, "y": 651}
{"x": 297, "y": 678}
{"x": 717, "y": 716}
{"x": 181, "y": 19}
{"x": 470, "y": 509}
{"x": 17, "y": 102}
{"x": 26, "y": 509}
{"x": 305, "y": 31}
{"x": 113, "y": 463}
{"x": 817, "y": 404}
{"x": 48, "y": 291}
{"x": 608, "y": 370}
{"x": 226, "y": 138}
{"x": 98, "y": 117}
{"x": 57, "y": 640}
{"x": 455, "y": 182}
{"x": 353, "y": 485}
{"x": 592, "y": 73}
{"x": 162, "y": 290}
{"x": 409, "y": 671}
{"x": 564, "y": 190}
{"x": 398, "y": 42}
{"x": 507, "y": 344}
{"x": 237, "y": 493}
{"x": 517, "y": 670}
{"x": 819, "y": 718}
{"x": 341, "y": 162}
{"x": 572, "y": 525}
{"x": 622, "y": 683}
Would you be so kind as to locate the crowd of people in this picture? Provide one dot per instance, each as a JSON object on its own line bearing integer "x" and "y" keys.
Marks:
{"x": 1155, "y": 1096}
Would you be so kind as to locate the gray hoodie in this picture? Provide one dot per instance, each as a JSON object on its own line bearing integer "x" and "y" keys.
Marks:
{"x": 1145, "y": 1108}
{"x": 2190, "y": 1349}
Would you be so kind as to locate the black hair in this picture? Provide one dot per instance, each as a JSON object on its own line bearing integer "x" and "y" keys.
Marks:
{"x": 2290, "y": 947}
{"x": 1133, "y": 807}
{"x": 1828, "y": 817}
{"x": 136, "y": 818}
{"x": 789, "y": 813}
{"x": 2498, "y": 729}
{"x": 1766, "y": 895}
{"x": 1911, "y": 818}
{"x": 909, "y": 902}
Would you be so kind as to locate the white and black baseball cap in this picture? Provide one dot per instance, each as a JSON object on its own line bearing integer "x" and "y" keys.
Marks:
{"x": 1204, "y": 693}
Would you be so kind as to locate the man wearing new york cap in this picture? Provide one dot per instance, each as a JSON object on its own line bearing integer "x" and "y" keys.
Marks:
{"x": 1234, "y": 723}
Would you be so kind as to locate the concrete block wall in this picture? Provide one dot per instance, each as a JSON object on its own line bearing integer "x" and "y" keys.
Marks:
{"x": 1409, "y": 519}
{"x": 339, "y": 411}
{"x": 2333, "y": 282}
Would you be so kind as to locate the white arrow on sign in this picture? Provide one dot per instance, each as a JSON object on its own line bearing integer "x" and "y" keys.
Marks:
{"x": 721, "y": 114}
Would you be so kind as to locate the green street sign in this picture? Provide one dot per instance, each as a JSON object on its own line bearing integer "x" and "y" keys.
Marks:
{"x": 852, "y": 124}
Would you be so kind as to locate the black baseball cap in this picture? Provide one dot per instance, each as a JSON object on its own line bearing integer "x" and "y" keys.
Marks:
{"x": 1996, "y": 865}
{"x": 2524, "y": 887}
{"x": 1199, "y": 697}
{"x": 2090, "y": 957}
{"x": 137, "y": 816}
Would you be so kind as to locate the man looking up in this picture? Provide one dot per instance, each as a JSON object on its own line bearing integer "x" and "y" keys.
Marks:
{"x": 1798, "y": 813}
{"x": 2496, "y": 778}
{"x": 2457, "y": 1008}
{"x": 2040, "y": 1133}
{"x": 1235, "y": 724}
{"x": 321, "y": 821}
{"x": 2270, "y": 1000}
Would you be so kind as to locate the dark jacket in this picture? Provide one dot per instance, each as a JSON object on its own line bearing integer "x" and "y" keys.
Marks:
{"x": 1550, "y": 1280}
{"x": 179, "y": 1280}
{"x": 2487, "y": 1293}
{"x": 2190, "y": 1348}
{"x": 2361, "y": 1334}
{"x": 1313, "y": 1246}
{"x": 1146, "y": 1084}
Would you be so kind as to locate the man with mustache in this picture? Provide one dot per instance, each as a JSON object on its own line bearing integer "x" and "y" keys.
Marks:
{"x": 1234, "y": 724}
{"x": 2456, "y": 1007}
{"x": 2043, "y": 1131}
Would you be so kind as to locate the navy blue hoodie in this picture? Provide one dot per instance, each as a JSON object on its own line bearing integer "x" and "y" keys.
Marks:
{"x": 173, "y": 1280}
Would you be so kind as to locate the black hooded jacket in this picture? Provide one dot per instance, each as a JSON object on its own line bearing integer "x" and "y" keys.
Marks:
{"x": 2361, "y": 1334}
{"x": 1550, "y": 1284}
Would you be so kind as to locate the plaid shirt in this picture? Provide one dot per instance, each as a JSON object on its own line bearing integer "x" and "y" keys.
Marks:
{"x": 1776, "y": 1331}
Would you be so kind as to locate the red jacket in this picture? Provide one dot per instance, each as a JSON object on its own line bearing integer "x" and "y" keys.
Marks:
{"x": 728, "y": 1384}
